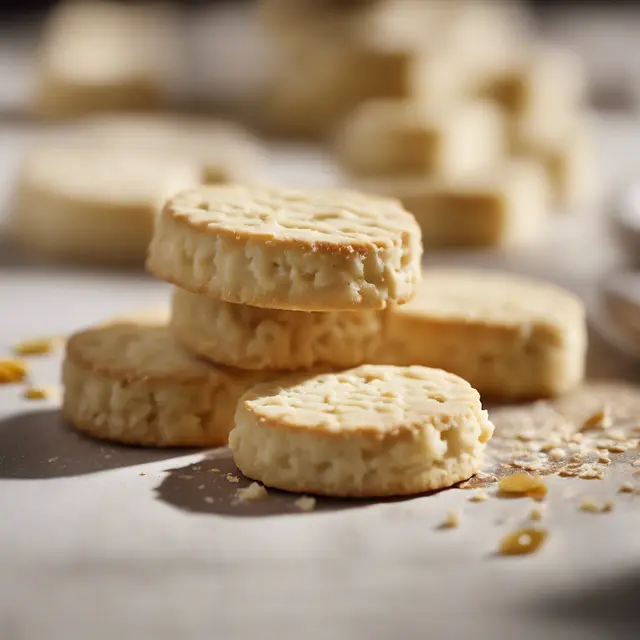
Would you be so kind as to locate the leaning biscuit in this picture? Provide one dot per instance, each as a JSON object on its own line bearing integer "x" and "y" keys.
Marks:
{"x": 304, "y": 250}
{"x": 509, "y": 336}
{"x": 94, "y": 205}
{"x": 369, "y": 431}
{"x": 253, "y": 338}
{"x": 131, "y": 383}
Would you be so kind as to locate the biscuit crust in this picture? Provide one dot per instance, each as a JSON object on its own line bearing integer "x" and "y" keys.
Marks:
{"x": 299, "y": 250}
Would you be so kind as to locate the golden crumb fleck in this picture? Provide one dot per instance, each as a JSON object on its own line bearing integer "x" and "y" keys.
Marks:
{"x": 599, "y": 420}
{"x": 231, "y": 478}
{"x": 305, "y": 503}
{"x": 254, "y": 491}
{"x": 617, "y": 448}
{"x": 636, "y": 463}
{"x": 535, "y": 514}
{"x": 603, "y": 458}
{"x": 208, "y": 499}
{"x": 36, "y": 393}
{"x": 626, "y": 487}
{"x": 545, "y": 447}
{"x": 523, "y": 484}
{"x": 185, "y": 476}
{"x": 590, "y": 506}
{"x": 36, "y": 346}
{"x": 13, "y": 370}
{"x": 214, "y": 470}
{"x": 452, "y": 519}
{"x": 479, "y": 496}
{"x": 577, "y": 438}
{"x": 142, "y": 473}
{"x": 589, "y": 472}
{"x": 556, "y": 454}
{"x": 522, "y": 542}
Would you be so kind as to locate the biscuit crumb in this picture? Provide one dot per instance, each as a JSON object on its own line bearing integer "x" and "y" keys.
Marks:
{"x": 599, "y": 420}
{"x": 214, "y": 470}
{"x": 185, "y": 477}
{"x": 208, "y": 499}
{"x": 603, "y": 458}
{"x": 452, "y": 519}
{"x": 231, "y": 478}
{"x": 13, "y": 370}
{"x": 479, "y": 496}
{"x": 626, "y": 487}
{"x": 589, "y": 472}
{"x": 35, "y": 346}
{"x": 617, "y": 448}
{"x": 590, "y": 506}
{"x": 254, "y": 491}
{"x": 142, "y": 473}
{"x": 522, "y": 542}
{"x": 35, "y": 393}
{"x": 305, "y": 503}
{"x": 53, "y": 459}
{"x": 556, "y": 454}
{"x": 535, "y": 514}
{"x": 523, "y": 484}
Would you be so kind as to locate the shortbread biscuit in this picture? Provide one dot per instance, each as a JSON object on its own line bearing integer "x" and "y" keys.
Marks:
{"x": 566, "y": 152}
{"x": 225, "y": 151}
{"x": 368, "y": 431}
{"x": 539, "y": 79}
{"x": 505, "y": 206}
{"x": 253, "y": 338}
{"x": 509, "y": 336}
{"x": 398, "y": 137}
{"x": 302, "y": 250}
{"x": 130, "y": 382}
{"x": 94, "y": 205}
{"x": 103, "y": 56}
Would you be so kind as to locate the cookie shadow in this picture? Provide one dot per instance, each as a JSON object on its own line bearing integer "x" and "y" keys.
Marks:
{"x": 39, "y": 445}
{"x": 211, "y": 485}
{"x": 608, "y": 603}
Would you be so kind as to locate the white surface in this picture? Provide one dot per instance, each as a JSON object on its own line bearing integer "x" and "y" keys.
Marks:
{"x": 91, "y": 549}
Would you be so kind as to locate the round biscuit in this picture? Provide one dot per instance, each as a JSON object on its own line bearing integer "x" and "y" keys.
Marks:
{"x": 253, "y": 338}
{"x": 300, "y": 250}
{"x": 368, "y": 431}
{"x": 94, "y": 205}
{"x": 131, "y": 383}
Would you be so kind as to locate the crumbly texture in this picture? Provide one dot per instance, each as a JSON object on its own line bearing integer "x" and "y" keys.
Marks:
{"x": 507, "y": 205}
{"x": 253, "y": 338}
{"x": 132, "y": 383}
{"x": 368, "y": 431}
{"x": 224, "y": 151}
{"x": 403, "y": 137}
{"x": 509, "y": 336}
{"x": 94, "y": 205}
{"x": 301, "y": 250}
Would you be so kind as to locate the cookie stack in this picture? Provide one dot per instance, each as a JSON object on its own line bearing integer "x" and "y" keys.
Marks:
{"x": 302, "y": 318}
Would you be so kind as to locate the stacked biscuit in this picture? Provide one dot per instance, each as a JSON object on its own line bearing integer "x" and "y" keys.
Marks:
{"x": 451, "y": 107}
{"x": 303, "y": 317}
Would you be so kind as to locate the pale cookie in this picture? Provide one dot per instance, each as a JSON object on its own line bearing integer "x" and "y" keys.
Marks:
{"x": 94, "y": 205}
{"x": 131, "y": 383}
{"x": 510, "y": 337}
{"x": 252, "y": 338}
{"x": 225, "y": 151}
{"x": 539, "y": 79}
{"x": 103, "y": 56}
{"x": 302, "y": 250}
{"x": 398, "y": 137}
{"x": 506, "y": 206}
{"x": 567, "y": 154}
{"x": 369, "y": 431}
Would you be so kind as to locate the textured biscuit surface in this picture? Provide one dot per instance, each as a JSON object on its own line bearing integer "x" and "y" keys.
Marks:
{"x": 305, "y": 250}
{"x": 368, "y": 431}
{"x": 253, "y": 338}
{"x": 94, "y": 205}
{"x": 131, "y": 383}
{"x": 508, "y": 336}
